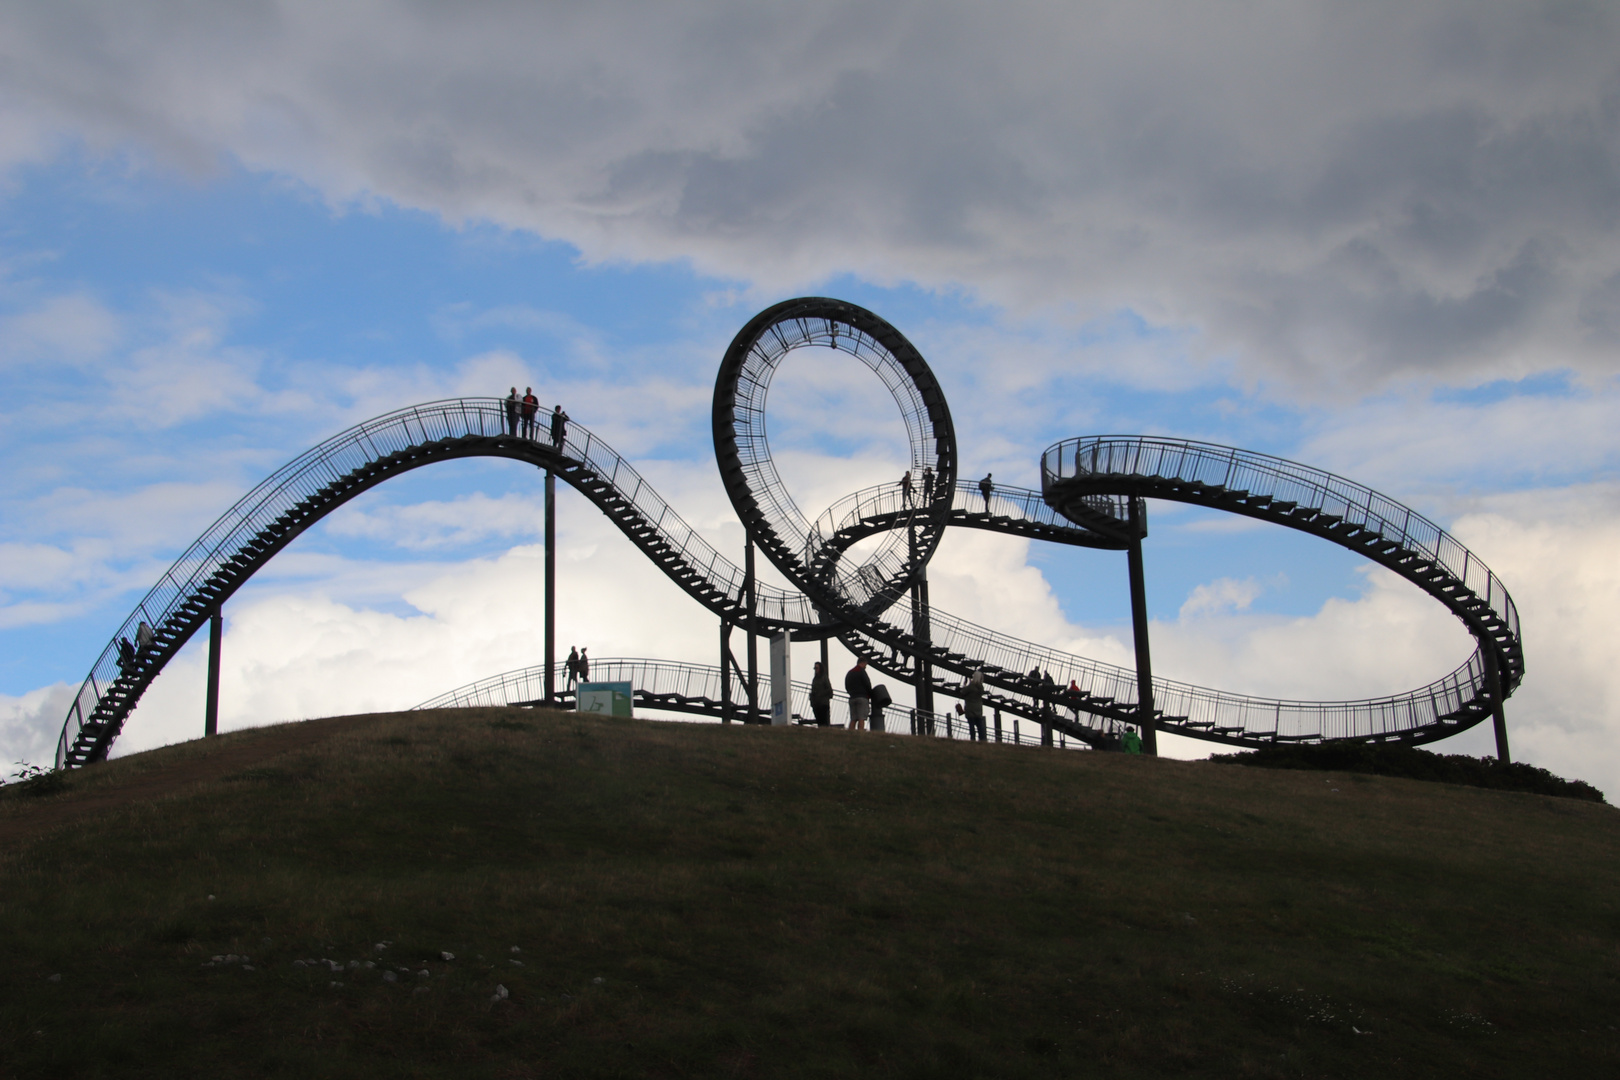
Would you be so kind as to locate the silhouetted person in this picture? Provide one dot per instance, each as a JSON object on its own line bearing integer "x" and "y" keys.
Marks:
{"x": 973, "y": 706}
{"x": 531, "y": 406}
{"x": 905, "y": 488}
{"x": 513, "y": 409}
{"x": 928, "y": 484}
{"x": 573, "y": 665}
{"x": 858, "y": 685}
{"x": 126, "y": 654}
{"x": 144, "y": 636}
{"x": 584, "y": 666}
{"x": 985, "y": 489}
{"x": 821, "y": 695}
{"x": 559, "y": 428}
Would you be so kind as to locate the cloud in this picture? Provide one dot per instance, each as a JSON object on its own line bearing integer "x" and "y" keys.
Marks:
{"x": 74, "y": 328}
{"x": 30, "y": 724}
{"x": 1332, "y": 195}
{"x": 1224, "y": 594}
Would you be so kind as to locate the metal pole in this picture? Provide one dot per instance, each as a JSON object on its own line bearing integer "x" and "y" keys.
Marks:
{"x": 725, "y": 672}
{"x": 920, "y": 633}
{"x": 216, "y": 632}
{"x": 1493, "y": 678}
{"x": 551, "y": 587}
{"x": 998, "y": 725}
{"x": 753, "y": 639}
{"x": 1139, "y": 622}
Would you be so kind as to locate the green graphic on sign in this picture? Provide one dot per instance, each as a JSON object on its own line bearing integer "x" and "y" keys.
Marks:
{"x": 607, "y": 698}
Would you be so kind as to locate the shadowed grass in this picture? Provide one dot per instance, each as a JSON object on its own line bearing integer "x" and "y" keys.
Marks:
{"x": 693, "y": 900}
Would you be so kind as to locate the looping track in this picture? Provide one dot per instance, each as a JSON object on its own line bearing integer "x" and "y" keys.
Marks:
{"x": 1085, "y": 487}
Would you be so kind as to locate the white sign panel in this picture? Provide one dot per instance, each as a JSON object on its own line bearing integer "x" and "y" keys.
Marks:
{"x": 781, "y": 680}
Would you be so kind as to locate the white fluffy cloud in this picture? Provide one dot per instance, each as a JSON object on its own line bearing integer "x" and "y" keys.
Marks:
{"x": 1331, "y": 193}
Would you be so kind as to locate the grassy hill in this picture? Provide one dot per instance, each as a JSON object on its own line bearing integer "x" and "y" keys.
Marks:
{"x": 686, "y": 900}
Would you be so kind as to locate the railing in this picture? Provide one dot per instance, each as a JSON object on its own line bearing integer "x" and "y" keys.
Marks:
{"x": 1123, "y": 458}
{"x": 699, "y": 684}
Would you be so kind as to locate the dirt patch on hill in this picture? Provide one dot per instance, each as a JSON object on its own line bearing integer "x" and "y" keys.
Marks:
{"x": 140, "y": 778}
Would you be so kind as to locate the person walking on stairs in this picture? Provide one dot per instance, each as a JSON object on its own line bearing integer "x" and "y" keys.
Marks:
{"x": 985, "y": 489}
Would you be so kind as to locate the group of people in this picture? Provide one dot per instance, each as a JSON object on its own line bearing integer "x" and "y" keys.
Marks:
{"x": 867, "y": 702}
{"x": 524, "y": 412}
{"x": 128, "y": 653}
{"x": 927, "y": 486}
{"x": 578, "y": 666}
{"x": 987, "y": 487}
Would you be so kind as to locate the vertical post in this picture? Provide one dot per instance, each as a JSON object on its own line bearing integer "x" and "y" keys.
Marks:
{"x": 725, "y": 672}
{"x": 1139, "y": 623}
{"x": 216, "y": 631}
{"x": 551, "y": 588}
{"x": 753, "y": 639}
{"x": 1493, "y": 678}
{"x": 998, "y": 725}
{"x": 920, "y": 633}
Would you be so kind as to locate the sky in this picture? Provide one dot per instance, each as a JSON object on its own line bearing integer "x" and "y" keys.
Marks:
{"x": 1377, "y": 238}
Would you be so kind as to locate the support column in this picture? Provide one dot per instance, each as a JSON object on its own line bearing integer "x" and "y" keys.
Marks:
{"x": 216, "y": 633}
{"x": 1493, "y": 676}
{"x": 725, "y": 672}
{"x": 551, "y": 588}
{"x": 921, "y": 633}
{"x": 753, "y": 634}
{"x": 1139, "y": 623}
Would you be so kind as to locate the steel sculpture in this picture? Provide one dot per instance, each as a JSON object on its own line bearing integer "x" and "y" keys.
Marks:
{"x": 1091, "y": 497}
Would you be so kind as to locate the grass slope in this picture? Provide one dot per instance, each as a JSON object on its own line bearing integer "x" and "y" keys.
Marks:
{"x": 702, "y": 901}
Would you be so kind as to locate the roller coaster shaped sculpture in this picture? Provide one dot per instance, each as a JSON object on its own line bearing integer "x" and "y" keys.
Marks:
{"x": 1091, "y": 492}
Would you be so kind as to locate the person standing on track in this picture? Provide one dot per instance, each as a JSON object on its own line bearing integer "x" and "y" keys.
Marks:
{"x": 905, "y": 488}
{"x": 559, "y": 428}
{"x": 985, "y": 489}
{"x": 512, "y": 407}
{"x": 531, "y": 406}
{"x": 928, "y": 483}
{"x": 858, "y": 685}
{"x": 821, "y": 695}
{"x": 573, "y": 665}
{"x": 584, "y": 666}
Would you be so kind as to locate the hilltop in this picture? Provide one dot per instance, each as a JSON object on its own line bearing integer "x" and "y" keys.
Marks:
{"x": 353, "y": 897}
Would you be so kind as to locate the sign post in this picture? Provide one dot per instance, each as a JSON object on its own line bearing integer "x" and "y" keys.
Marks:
{"x": 781, "y": 679}
{"x": 605, "y": 698}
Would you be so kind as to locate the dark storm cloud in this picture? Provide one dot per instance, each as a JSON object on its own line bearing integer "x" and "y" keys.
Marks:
{"x": 1332, "y": 194}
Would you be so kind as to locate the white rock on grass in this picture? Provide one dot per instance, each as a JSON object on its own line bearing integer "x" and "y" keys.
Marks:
{"x": 501, "y": 993}
{"x": 516, "y": 950}
{"x": 447, "y": 956}
{"x": 389, "y": 976}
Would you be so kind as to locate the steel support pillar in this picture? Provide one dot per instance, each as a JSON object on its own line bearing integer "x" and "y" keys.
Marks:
{"x": 1493, "y": 678}
{"x": 551, "y": 588}
{"x": 923, "y": 681}
{"x": 725, "y": 672}
{"x": 216, "y": 633}
{"x": 753, "y": 635}
{"x": 1139, "y": 623}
